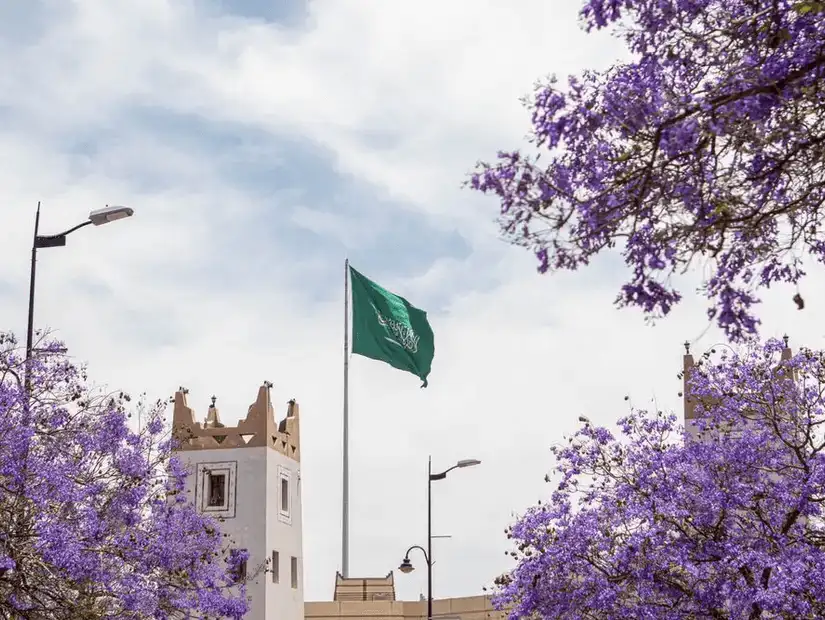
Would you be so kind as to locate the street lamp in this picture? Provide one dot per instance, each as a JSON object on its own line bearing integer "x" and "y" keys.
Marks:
{"x": 406, "y": 566}
{"x": 98, "y": 218}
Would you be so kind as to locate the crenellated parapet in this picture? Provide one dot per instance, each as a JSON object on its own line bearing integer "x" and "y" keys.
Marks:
{"x": 257, "y": 429}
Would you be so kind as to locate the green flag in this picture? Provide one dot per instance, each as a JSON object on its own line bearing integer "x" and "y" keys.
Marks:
{"x": 385, "y": 327}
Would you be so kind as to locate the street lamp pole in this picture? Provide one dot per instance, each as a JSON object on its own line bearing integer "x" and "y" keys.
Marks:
{"x": 406, "y": 566}
{"x": 30, "y": 326}
{"x": 98, "y": 217}
{"x": 430, "y": 536}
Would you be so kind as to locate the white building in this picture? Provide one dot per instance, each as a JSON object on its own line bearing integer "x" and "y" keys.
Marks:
{"x": 249, "y": 477}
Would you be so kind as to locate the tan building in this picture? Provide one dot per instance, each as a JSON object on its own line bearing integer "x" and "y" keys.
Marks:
{"x": 374, "y": 599}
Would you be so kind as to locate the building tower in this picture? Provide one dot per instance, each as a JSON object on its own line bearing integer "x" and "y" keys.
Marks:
{"x": 690, "y": 402}
{"x": 249, "y": 476}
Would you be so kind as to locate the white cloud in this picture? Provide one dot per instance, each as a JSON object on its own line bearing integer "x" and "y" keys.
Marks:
{"x": 403, "y": 97}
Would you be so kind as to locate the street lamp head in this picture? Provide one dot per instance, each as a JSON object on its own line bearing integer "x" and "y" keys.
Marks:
{"x": 110, "y": 214}
{"x": 468, "y": 463}
{"x": 406, "y": 566}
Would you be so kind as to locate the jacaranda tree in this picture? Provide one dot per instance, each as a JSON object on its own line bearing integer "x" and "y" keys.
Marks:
{"x": 707, "y": 149}
{"x": 94, "y": 521}
{"x": 724, "y": 523}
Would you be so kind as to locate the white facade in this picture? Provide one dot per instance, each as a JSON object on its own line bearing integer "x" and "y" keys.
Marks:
{"x": 256, "y": 491}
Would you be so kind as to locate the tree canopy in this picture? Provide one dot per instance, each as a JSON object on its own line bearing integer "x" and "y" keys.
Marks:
{"x": 706, "y": 150}
{"x": 94, "y": 521}
{"x": 724, "y": 523}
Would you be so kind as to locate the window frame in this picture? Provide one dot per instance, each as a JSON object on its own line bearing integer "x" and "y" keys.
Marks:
{"x": 293, "y": 569}
{"x": 284, "y": 512}
{"x": 223, "y": 475}
{"x": 240, "y": 573}
{"x": 204, "y": 470}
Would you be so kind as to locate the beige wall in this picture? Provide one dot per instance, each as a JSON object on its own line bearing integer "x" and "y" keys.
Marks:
{"x": 465, "y": 608}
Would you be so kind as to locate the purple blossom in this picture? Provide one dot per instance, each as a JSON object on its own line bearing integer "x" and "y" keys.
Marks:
{"x": 723, "y": 522}
{"x": 94, "y": 519}
{"x": 707, "y": 149}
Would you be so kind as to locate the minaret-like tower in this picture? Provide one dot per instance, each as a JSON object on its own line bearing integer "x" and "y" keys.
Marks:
{"x": 249, "y": 476}
{"x": 689, "y": 401}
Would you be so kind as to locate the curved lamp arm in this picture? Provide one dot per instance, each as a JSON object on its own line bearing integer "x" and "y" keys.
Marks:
{"x": 52, "y": 241}
{"x": 461, "y": 463}
{"x": 99, "y": 217}
{"x": 406, "y": 565}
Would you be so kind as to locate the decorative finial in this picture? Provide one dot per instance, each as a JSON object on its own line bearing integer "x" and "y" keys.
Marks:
{"x": 291, "y": 401}
{"x": 687, "y": 347}
{"x": 183, "y": 390}
{"x": 267, "y": 384}
{"x": 785, "y": 338}
{"x": 214, "y": 398}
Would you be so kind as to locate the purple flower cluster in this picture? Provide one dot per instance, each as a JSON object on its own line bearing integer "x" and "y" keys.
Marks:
{"x": 725, "y": 522}
{"x": 94, "y": 519}
{"x": 707, "y": 149}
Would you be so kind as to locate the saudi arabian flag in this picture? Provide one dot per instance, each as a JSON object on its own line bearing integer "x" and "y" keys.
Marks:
{"x": 387, "y": 328}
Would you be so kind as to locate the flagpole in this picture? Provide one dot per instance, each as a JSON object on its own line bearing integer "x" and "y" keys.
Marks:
{"x": 345, "y": 498}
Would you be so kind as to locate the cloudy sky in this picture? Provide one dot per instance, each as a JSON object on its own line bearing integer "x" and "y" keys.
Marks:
{"x": 263, "y": 141}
